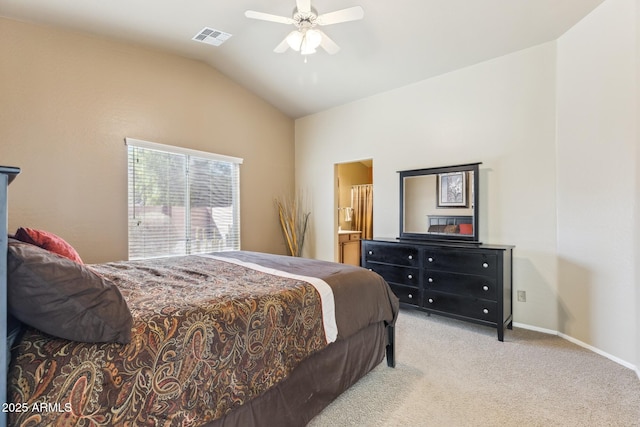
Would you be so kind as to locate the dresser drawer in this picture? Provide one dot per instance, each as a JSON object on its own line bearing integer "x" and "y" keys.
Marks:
{"x": 406, "y": 294}
{"x": 462, "y": 306}
{"x": 392, "y": 254}
{"x": 484, "y": 263}
{"x": 409, "y": 276}
{"x": 461, "y": 284}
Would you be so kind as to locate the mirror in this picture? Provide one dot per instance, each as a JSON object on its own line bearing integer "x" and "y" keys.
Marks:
{"x": 440, "y": 203}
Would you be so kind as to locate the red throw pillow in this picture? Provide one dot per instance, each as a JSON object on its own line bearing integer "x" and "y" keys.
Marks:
{"x": 48, "y": 241}
{"x": 466, "y": 228}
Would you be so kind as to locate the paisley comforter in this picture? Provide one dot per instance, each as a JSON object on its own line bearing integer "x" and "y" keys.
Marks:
{"x": 208, "y": 336}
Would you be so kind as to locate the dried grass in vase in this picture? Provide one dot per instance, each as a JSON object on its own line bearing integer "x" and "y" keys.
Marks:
{"x": 293, "y": 220}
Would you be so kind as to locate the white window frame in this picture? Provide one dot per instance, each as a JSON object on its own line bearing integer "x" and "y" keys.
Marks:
{"x": 188, "y": 153}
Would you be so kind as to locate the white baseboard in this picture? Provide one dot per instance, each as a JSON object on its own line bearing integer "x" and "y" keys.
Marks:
{"x": 535, "y": 328}
{"x": 581, "y": 344}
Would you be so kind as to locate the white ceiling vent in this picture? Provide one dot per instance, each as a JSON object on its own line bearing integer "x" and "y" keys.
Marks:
{"x": 211, "y": 36}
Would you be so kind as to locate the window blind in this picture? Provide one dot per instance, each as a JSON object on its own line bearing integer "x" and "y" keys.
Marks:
{"x": 181, "y": 201}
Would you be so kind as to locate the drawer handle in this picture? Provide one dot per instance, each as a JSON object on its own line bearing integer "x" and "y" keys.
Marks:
{"x": 430, "y": 259}
{"x": 410, "y": 257}
{"x": 430, "y": 300}
{"x": 485, "y": 265}
{"x": 410, "y": 296}
{"x": 370, "y": 252}
{"x": 410, "y": 276}
{"x": 485, "y": 311}
{"x": 371, "y": 269}
{"x": 485, "y": 288}
{"x": 430, "y": 279}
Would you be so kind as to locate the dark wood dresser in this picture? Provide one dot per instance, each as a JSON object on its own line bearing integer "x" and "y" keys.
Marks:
{"x": 466, "y": 281}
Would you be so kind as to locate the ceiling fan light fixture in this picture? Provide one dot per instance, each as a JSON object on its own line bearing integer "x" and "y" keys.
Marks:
{"x": 305, "y": 41}
{"x": 312, "y": 39}
{"x": 307, "y": 50}
{"x": 294, "y": 40}
{"x": 305, "y": 38}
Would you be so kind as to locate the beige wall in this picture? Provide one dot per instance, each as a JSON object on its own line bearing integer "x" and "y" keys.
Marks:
{"x": 67, "y": 102}
{"x": 597, "y": 144}
{"x": 501, "y": 112}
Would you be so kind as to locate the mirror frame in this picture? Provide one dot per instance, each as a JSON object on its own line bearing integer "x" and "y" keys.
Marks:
{"x": 470, "y": 167}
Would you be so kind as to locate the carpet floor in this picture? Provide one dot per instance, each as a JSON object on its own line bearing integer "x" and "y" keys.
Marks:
{"x": 452, "y": 373}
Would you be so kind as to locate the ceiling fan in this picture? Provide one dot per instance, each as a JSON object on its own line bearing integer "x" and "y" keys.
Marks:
{"x": 306, "y": 37}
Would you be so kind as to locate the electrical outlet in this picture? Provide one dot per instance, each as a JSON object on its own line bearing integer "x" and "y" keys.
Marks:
{"x": 522, "y": 296}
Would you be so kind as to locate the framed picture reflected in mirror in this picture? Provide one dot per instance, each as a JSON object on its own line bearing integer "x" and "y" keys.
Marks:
{"x": 452, "y": 190}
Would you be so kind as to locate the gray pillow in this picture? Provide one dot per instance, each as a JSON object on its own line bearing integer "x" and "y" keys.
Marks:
{"x": 63, "y": 298}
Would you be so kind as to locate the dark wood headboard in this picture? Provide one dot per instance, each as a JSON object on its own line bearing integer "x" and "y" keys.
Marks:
{"x": 450, "y": 219}
{"x": 7, "y": 174}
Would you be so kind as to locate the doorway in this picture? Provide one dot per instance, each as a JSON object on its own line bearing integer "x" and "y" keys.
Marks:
{"x": 354, "y": 208}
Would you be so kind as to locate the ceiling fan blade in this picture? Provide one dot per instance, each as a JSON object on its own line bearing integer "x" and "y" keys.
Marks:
{"x": 327, "y": 44}
{"x": 268, "y": 17}
{"x": 289, "y": 42}
{"x": 304, "y": 6}
{"x": 282, "y": 47}
{"x": 343, "y": 15}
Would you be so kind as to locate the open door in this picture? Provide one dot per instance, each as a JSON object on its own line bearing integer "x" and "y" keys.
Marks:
{"x": 354, "y": 208}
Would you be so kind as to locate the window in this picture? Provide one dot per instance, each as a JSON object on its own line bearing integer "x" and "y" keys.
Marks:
{"x": 181, "y": 201}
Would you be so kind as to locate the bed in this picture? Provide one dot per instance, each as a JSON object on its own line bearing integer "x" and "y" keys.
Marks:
{"x": 450, "y": 224}
{"x": 220, "y": 339}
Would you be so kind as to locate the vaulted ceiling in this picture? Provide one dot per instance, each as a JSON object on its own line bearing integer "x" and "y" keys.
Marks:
{"x": 396, "y": 43}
